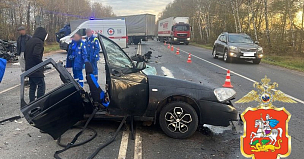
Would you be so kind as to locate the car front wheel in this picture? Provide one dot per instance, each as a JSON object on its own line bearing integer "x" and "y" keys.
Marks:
{"x": 227, "y": 59}
{"x": 214, "y": 54}
{"x": 178, "y": 120}
{"x": 257, "y": 61}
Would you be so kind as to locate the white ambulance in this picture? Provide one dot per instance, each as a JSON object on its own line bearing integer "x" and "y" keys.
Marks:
{"x": 113, "y": 29}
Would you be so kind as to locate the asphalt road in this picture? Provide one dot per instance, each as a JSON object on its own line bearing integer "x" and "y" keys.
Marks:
{"x": 19, "y": 140}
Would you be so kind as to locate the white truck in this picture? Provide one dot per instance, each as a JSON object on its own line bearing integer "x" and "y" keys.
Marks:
{"x": 139, "y": 27}
{"x": 114, "y": 29}
{"x": 174, "y": 30}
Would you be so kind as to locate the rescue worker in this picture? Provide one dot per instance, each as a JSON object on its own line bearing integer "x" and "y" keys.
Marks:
{"x": 2, "y": 68}
{"x": 76, "y": 58}
{"x": 93, "y": 49}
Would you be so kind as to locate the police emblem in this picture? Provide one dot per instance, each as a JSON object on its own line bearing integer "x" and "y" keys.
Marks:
{"x": 266, "y": 126}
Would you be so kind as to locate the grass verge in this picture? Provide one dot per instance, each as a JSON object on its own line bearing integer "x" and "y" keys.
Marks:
{"x": 49, "y": 47}
{"x": 290, "y": 62}
{"x": 210, "y": 47}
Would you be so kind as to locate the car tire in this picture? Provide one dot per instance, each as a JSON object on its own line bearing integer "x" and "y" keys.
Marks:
{"x": 178, "y": 120}
{"x": 257, "y": 61}
{"x": 226, "y": 57}
{"x": 214, "y": 54}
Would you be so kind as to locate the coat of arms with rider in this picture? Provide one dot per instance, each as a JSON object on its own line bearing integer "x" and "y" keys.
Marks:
{"x": 265, "y": 126}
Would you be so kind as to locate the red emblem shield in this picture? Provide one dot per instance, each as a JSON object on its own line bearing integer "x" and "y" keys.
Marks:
{"x": 266, "y": 133}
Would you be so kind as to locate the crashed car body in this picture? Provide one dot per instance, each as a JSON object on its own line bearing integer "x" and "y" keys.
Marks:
{"x": 179, "y": 106}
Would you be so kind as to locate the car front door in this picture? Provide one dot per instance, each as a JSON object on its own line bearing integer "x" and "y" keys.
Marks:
{"x": 221, "y": 45}
{"x": 127, "y": 86}
{"x": 60, "y": 108}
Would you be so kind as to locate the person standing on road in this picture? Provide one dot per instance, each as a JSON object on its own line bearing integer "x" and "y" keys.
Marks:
{"x": 21, "y": 43}
{"x": 76, "y": 58}
{"x": 33, "y": 56}
{"x": 93, "y": 49}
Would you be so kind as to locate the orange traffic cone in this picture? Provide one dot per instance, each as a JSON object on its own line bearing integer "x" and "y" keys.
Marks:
{"x": 169, "y": 46}
{"x": 189, "y": 58}
{"x": 228, "y": 81}
{"x": 177, "y": 51}
{"x": 172, "y": 48}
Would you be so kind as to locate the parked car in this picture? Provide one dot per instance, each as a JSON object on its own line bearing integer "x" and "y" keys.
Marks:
{"x": 179, "y": 106}
{"x": 234, "y": 46}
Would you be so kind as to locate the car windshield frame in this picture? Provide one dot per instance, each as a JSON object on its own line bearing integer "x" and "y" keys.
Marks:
{"x": 240, "y": 39}
{"x": 108, "y": 50}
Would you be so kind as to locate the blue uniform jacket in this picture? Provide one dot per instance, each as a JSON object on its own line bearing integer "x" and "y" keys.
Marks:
{"x": 93, "y": 48}
{"x": 77, "y": 55}
{"x": 2, "y": 68}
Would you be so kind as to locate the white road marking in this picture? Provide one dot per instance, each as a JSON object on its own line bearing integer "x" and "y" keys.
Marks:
{"x": 6, "y": 90}
{"x": 123, "y": 145}
{"x": 167, "y": 72}
{"x": 242, "y": 76}
{"x": 138, "y": 146}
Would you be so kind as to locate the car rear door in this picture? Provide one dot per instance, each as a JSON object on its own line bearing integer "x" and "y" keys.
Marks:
{"x": 59, "y": 109}
{"x": 128, "y": 89}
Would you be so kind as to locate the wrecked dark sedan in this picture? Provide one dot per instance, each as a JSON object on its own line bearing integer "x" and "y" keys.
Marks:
{"x": 178, "y": 106}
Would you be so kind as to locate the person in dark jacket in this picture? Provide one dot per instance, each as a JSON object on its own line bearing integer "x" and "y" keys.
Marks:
{"x": 21, "y": 42}
{"x": 76, "y": 58}
{"x": 33, "y": 56}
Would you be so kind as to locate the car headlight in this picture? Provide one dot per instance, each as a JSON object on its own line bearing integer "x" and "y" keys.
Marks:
{"x": 224, "y": 94}
{"x": 233, "y": 48}
{"x": 188, "y": 39}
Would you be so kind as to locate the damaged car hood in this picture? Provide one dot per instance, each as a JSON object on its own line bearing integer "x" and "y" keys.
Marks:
{"x": 171, "y": 86}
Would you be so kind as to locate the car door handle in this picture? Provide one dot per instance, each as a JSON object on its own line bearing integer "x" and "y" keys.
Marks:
{"x": 34, "y": 111}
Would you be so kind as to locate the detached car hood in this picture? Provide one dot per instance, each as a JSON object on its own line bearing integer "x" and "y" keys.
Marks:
{"x": 171, "y": 86}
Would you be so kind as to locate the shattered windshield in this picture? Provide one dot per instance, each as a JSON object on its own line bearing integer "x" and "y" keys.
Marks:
{"x": 116, "y": 57}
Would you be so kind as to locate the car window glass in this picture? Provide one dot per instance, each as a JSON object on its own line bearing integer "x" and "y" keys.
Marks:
{"x": 240, "y": 39}
{"x": 182, "y": 28}
{"x": 116, "y": 57}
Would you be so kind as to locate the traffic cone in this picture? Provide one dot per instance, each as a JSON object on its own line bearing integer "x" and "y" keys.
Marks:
{"x": 172, "y": 48}
{"x": 169, "y": 46}
{"x": 177, "y": 51}
{"x": 228, "y": 81}
{"x": 189, "y": 58}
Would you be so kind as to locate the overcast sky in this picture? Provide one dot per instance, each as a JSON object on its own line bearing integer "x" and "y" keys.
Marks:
{"x": 131, "y": 7}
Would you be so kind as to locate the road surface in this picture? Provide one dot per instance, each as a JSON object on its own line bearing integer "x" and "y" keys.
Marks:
{"x": 19, "y": 140}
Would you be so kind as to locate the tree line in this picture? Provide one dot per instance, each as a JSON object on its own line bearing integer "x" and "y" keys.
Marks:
{"x": 276, "y": 24}
{"x": 51, "y": 14}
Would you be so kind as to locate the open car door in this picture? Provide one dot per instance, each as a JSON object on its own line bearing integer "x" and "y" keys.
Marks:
{"x": 59, "y": 109}
{"x": 127, "y": 85}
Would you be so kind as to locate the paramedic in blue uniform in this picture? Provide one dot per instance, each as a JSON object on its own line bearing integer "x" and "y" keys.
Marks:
{"x": 76, "y": 58}
{"x": 93, "y": 49}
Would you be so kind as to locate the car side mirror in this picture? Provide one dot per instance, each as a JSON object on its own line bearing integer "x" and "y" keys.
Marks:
{"x": 256, "y": 42}
{"x": 140, "y": 66}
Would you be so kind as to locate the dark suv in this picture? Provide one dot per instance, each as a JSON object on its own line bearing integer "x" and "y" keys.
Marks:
{"x": 237, "y": 46}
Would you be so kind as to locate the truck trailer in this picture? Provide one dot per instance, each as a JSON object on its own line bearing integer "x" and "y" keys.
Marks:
{"x": 139, "y": 27}
{"x": 174, "y": 30}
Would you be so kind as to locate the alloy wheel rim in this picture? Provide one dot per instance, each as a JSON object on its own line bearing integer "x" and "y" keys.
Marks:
{"x": 177, "y": 120}
{"x": 225, "y": 56}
